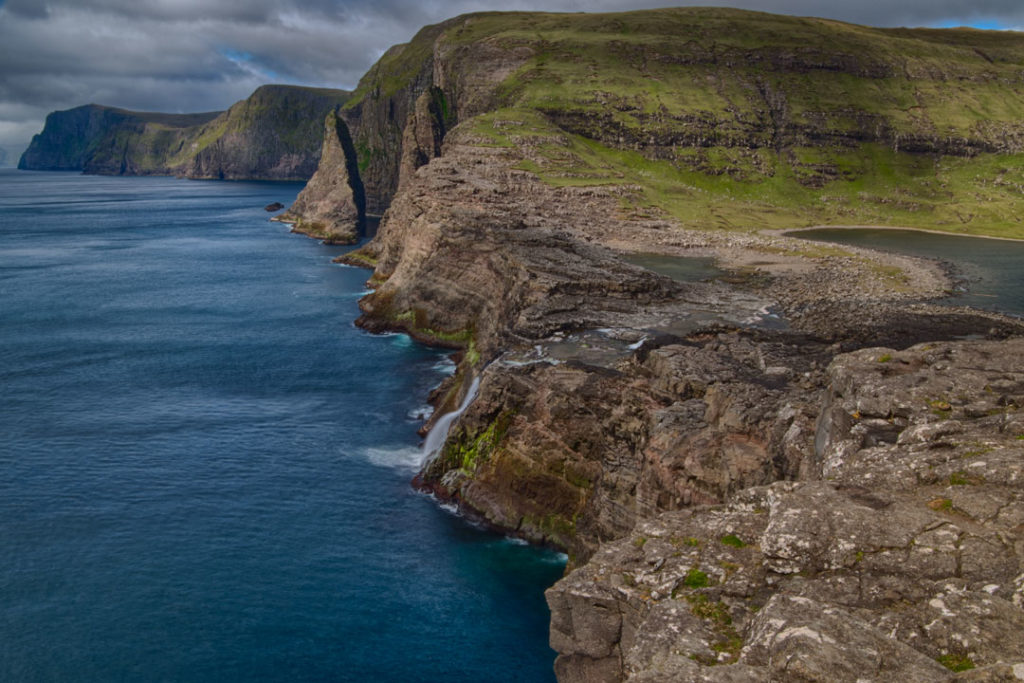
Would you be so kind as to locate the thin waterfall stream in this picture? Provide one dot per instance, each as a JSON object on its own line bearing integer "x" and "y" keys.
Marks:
{"x": 439, "y": 432}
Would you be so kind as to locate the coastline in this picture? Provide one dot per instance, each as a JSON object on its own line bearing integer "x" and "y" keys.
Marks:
{"x": 786, "y": 232}
{"x": 586, "y": 453}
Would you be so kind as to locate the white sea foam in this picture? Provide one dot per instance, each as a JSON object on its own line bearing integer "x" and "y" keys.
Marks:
{"x": 446, "y": 366}
{"x": 412, "y": 458}
{"x": 401, "y": 458}
{"x": 421, "y": 413}
{"x": 523, "y": 363}
{"x": 400, "y": 339}
{"x": 637, "y": 345}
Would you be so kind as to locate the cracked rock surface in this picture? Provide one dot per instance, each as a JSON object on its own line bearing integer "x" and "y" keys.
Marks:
{"x": 898, "y": 556}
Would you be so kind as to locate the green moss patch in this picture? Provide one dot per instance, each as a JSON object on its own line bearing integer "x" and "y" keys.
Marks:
{"x": 955, "y": 662}
{"x": 733, "y": 541}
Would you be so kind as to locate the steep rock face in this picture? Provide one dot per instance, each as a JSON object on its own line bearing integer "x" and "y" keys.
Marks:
{"x": 274, "y": 134}
{"x": 406, "y": 103}
{"x": 72, "y": 139}
{"x": 379, "y": 110}
{"x": 614, "y": 402}
{"x": 477, "y": 254}
{"x": 724, "y": 118}
{"x": 332, "y": 203}
{"x": 907, "y": 556}
{"x": 424, "y": 132}
{"x": 469, "y": 251}
{"x": 573, "y": 454}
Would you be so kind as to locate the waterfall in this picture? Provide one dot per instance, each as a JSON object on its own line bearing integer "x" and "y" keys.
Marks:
{"x": 439, "y": 432}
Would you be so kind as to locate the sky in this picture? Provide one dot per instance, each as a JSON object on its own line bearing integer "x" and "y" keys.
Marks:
{"x": 203, "y": 55}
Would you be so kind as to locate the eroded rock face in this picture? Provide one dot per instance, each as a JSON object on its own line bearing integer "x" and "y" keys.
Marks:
{"x": 332, "y": 204}
{"x": 729, "y": 516}
{"x": 471, "y": 248}
{"x": 903, "y": 561}
{"x": 476, "y": 254}
{"x": 274, "y": 134}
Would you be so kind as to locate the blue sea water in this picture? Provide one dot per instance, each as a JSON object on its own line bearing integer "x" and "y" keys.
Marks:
{"x": 204, "y": 465}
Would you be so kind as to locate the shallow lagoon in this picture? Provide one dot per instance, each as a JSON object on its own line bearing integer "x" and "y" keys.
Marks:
{"x": 992, "y": 270}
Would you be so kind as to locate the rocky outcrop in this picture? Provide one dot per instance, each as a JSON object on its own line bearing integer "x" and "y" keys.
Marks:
{"x": 478, "y": 255}
{"x": 75, "y": 139}
{"x": 379, "y": 110}
{"x": 275, "y": 134}
{"x": 898, "y": 555}
{"x": 728, "y": 513}
{"x": 424, "y": 131}
{"x": 406, "y": 103}
{"x": 332, "y": 205}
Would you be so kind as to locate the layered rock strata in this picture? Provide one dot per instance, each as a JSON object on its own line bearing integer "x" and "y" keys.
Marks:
{"x": 729, "y": 514}
{"x": 690, "y": 407}
{"x": 898, "y": 555}
{"x": 332, "y": 204}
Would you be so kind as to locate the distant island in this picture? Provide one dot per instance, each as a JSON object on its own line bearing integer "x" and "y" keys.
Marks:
{"x": 275, "y": 134}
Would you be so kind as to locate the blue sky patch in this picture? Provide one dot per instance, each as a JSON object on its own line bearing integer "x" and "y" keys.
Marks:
{"x": 246, "y": 61}
{"x": 986, "y": 24}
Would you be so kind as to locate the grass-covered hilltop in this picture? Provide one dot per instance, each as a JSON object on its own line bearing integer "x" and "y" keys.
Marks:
{"x": 729, "y": 118}
{"x": 274, "y": 134}
{"x": 796, "y": 471}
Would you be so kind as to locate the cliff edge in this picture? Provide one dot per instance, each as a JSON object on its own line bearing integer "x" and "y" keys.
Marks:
{"x": 738, "y": 468}
{"x": 275, "y": 134}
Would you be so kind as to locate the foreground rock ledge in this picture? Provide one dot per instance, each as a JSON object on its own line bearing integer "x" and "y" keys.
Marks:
{"x": 904, "y": 560}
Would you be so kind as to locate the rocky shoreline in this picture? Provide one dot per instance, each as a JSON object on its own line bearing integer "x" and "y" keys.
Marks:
{"x": 609, "y": 415}
{"x": 750, "y": 474}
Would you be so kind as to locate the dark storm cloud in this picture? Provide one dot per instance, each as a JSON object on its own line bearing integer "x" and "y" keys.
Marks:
{"x": 203, "y": 55}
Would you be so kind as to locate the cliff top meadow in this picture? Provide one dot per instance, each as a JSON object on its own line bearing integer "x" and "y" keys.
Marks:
{"x": 744, "y": 120}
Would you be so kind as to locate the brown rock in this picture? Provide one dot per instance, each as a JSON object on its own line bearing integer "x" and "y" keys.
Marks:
{"x": 331, "y": 206}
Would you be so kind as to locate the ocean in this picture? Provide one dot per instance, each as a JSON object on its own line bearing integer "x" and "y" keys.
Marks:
{"x": 205, "y": 466}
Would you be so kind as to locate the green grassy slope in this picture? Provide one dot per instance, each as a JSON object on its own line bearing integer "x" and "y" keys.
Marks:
{"x": 744, "y": 120}
{"x": 275, "y": 121}
{"x": 292, "y": 115}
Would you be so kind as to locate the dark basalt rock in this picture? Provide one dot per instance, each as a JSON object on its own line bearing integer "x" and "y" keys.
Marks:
{"x": 276, "y": 206}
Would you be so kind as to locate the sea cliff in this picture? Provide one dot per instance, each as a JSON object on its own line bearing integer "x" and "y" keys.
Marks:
{"x": 799, "y": 471}
{"x": 275, "y": 134}
{"x": 733, "y": 492}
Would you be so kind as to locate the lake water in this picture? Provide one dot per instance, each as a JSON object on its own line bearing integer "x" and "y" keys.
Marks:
{"x": 682, "y": 269}
{"x": 992, "y": 269}
{"x": 204, "y": 466}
